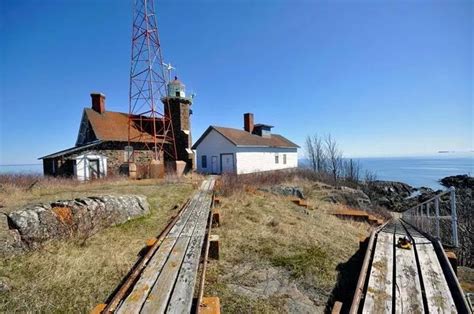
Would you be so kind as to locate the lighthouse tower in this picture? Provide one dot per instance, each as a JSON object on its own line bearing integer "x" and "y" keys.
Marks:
{"x": 178, "y": 108}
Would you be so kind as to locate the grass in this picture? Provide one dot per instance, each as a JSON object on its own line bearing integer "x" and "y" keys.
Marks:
{"x": 75, "y": 275}
{"x": 312, "y": 261}
{"x": 261, "y": 232}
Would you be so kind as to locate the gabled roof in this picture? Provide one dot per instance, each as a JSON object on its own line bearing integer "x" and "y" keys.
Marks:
{"x": 113, "y": 126}
{"x": 243, "y": 138}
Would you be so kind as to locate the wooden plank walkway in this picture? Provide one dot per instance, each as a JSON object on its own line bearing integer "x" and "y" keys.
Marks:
{"x": 379, "y": 294}
{"x": 406, "y": 281}
{"x": 408, "y": 296}
{"x": 438, "y": 296}
{"x": 167, "y": 283}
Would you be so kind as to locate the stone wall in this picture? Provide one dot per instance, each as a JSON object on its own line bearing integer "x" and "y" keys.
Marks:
{"x": 32, "y": 225}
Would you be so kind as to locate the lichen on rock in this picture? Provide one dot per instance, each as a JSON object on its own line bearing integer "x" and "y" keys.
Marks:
{"x": 31, "y": 225}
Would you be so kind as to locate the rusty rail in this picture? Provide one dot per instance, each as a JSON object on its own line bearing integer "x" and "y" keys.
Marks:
{"x": 202, "y": 280}
{"x": 363, "y": 272}
{"x": 117, "y": 296}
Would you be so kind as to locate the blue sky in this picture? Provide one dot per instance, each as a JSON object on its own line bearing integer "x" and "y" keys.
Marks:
{"x": 384, "y": 78}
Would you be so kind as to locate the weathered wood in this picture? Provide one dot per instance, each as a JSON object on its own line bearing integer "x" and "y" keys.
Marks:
{"x": 157, "y": 299}
{"x": 133, "y": 303}
{"x": 379, "y": 291}
{"x": 408, "y": 296}
{"x": 161, "y": 292}
{"x": 121, "y": 291}
{"x": 182, "y": 297}
{"x": 437, "y": 292}
{"x": 173, "y": 268}
{"x": 140, "y": 291}
{"x": 210, "y": 305}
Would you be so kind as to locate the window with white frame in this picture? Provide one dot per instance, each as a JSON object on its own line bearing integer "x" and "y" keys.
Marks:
{"x": 284, "y": 159}
{"x": 277, "y": 159}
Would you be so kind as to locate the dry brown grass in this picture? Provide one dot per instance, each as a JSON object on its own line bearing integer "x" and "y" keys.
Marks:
{"x": 264, "y": 231}
{"x": 75, "y": 275}
{"x": 19, "y": 190}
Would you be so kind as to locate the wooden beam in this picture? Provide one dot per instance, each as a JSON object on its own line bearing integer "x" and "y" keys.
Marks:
{"x": 437, "y": 292}
{"x": 408, "y": 295}
{"x": 210, "y": 305}
{"x": 379, "y": 291}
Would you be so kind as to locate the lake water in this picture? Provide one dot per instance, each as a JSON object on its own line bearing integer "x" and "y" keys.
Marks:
{"x": 419, "y": 171}
{"x": 22, "y": 169}
{"x": 416, "y": 171}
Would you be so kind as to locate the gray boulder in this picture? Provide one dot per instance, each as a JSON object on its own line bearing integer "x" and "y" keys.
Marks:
{"x": 350, "y": 197}
{"x": 33, "y": 224}
{"x": 10, "y": 240}
{"x": 284, "y": 191}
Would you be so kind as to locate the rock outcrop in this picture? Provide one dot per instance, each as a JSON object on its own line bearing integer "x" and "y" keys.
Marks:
{"x": 460, "y": 181}
{"x": 390, "y": 194}
{"x": 284, "y": 191}
{"x": 28, "y": 227}
{"x": 350, "y": 197}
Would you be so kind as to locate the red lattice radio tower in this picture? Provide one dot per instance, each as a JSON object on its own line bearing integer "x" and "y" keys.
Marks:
{"x": 148, "y": 124}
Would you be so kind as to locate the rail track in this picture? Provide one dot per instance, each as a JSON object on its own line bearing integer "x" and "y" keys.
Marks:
{"x": 166, "y": 278}
{"x": 419, "y": 279}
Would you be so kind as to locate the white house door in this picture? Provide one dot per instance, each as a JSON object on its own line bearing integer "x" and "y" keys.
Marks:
{"x": 227, "y": 163}
{"x": 214, "y": 164}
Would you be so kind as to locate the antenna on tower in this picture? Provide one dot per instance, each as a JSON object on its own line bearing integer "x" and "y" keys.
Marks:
{"x": 149, "y": 124}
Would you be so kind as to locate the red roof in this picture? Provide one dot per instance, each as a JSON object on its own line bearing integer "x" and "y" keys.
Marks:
{"x": 244, "y": 138}
{"x": 113, "y": 126}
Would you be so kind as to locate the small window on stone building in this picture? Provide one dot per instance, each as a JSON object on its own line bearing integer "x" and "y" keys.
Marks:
{"x": 276, "y": 158}
{"x": 284, "y": 159}
{"x": 204, "y": 161}
{"x": 178, "y": 94}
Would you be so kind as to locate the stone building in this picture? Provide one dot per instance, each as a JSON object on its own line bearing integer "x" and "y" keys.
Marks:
{"x": 102, "y": 146}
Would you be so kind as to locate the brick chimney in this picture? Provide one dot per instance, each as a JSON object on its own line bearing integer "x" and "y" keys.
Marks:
{"x": 248, "y": 122}
{"x": 98, "y": 102}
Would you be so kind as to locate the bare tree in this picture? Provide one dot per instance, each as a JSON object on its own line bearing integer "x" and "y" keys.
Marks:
{"x": 334, "y": 156}
{"x": 319, "y": 154}
{"x": 352, "y": 171}
{"x": 370, "y": 177}
{"x": 311, "y": 152}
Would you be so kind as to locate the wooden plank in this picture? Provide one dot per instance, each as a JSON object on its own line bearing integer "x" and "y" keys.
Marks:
{"x": 162, "y": 270}
{"x": 134, "y": 301}
{"x": 140, "y": 291}
{"x": 178, "y": 227}
{"x": 438, "y": 296}
{"x": 160, "y": 294}
{"x": 379, "y": 291}
{"x": 182, "y": 296}
{"x": 408, "y": 296}
{"x": 157, "y": 300}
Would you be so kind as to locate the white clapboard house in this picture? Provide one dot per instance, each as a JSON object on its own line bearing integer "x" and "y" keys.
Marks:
{"x": 252, "y": 149}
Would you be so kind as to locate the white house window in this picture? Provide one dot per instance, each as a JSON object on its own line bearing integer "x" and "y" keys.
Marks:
{"x": 204, "y": 161}
{"x": 276, "y": 158}
{"x": 284, "y": 159}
